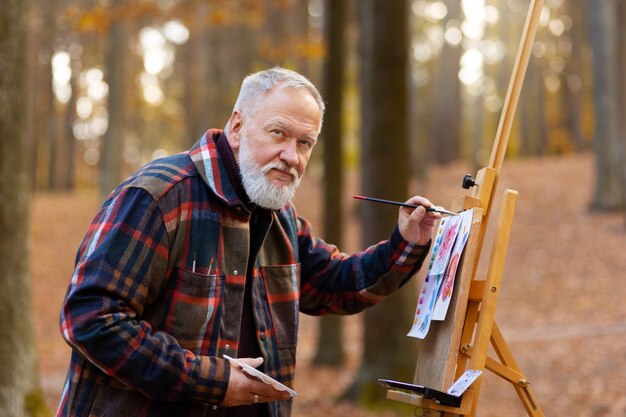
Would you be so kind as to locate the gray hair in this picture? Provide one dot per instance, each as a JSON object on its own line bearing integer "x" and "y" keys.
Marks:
{"x": 255, "y": 86}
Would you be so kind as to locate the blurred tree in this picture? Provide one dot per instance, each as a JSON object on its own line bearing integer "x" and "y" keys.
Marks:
{"x": 622, "y": 74}
{"x": 604, "y": 28}
{"x": 445, "y": 132}
{"x": 329, "y": 349}
{"x": 247, "y": 36}
{"x": 33, "y": 41}
{"x": 194, "y": 58}
{"x": 532, "y": 125}
{"x": 238, "y": 45}
{"x": 299, "y": 34}
{"x": 421, "y": 92}
{"x": 235, "y": 46}
{"x": 113, "y": 141}
{"x": 74, "y": 49}
{"x": 20, "y": 393}
{"x": 273, "y": 47}
{"x": 508, "y": 32}
{"x": 384, "y": 173}
{"x": 49, "y": 132}
{"x": 221, "y": 51}
{"x": 63, "y": 45}
{"x": 285, "y": 37}
{"x": 532, "y": 131}
{"x": 574, "y": 73}
{"x": 221, "y": 66}
{"x": 620, "y": 16}
{"x": 476, "y": 116}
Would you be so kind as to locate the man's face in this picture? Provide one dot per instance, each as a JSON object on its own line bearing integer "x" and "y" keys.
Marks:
{"x": 273, "y": 146}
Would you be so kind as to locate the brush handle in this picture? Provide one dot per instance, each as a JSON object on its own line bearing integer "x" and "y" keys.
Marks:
{"x": 398, "y": 203}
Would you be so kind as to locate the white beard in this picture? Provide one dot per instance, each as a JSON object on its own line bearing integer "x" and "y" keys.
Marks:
{"x": 259, "y": 188}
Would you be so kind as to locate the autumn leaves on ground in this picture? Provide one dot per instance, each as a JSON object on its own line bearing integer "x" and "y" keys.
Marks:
{"x": 561, "y": 307}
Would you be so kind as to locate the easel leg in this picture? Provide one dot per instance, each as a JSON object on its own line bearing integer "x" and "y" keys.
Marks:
{"x": 491, "y": 289}
{"x": 521, "y": 386}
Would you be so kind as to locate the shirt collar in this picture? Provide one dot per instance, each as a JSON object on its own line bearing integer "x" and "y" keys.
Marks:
{"x": 215, "y": 161}
{"x": 232, "y": 169}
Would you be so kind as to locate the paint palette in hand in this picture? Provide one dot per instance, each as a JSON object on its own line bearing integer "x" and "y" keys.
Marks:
{"x": 258, "y": 375}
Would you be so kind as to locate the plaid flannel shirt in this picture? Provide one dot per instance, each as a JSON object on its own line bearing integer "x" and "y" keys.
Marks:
{"x": 156, "y": 296}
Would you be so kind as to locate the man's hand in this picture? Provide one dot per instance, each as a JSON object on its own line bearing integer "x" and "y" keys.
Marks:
{"x": 244, "y": 390}
{"x": 416, "y": 225}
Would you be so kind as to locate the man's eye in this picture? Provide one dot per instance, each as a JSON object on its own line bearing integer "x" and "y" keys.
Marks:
{"x": 277, "y": 132}
{"x": 307, "y": 143}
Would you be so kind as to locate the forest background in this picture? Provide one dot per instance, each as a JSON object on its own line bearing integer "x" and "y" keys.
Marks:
{"x": 90, "y": 91}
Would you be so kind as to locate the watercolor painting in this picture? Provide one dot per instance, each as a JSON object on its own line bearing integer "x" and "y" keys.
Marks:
{"x": 445, "y": 291}
{"x": 446, "y": 235}
{"x": 442, "y": 249}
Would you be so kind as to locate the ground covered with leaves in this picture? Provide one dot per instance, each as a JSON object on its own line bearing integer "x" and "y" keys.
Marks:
{"x": 561, "y": 307}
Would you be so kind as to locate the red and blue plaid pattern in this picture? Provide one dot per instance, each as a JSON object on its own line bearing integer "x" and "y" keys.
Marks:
{"x": 156, "y": 296}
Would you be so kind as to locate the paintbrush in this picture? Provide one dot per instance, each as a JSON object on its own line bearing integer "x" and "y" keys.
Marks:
{"x": 398, "y": 203}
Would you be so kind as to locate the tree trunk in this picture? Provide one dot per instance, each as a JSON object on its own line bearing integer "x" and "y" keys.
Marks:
{"x": 229, "y": 72}
{"x": 572, "y": 92}
{"x": 299, "y": 34}
{"x": 52, "y": 137}
{"x": 46, "y": 126}
{"x": 216, "y": 87}
{"x": 533, "y": 135}
{"x": 420, "y": 108}
{"x": 20, "y": 394}
{"x": 476, "y": 114}
{"x": 194, "y": 57}
{"x": 112, "y": 145}
{"x": 33, "y": 42}
{"x": 275, "y": 35}
{"x": 385, "y": 173}
{"x": 445, "y": 137}
{"x": 329, "y": 349}
{"x": 621, "y": 15}
{"x": 608, "y": 139}
{"x": 50, "y": 134}
{"x": 248, "y": 37}
{"x": 70, "y": 117}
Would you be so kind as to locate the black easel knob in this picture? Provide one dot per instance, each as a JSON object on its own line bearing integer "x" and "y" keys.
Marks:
{"x": 468, "y": 182}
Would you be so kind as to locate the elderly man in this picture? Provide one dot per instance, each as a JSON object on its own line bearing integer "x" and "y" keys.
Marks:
{"x": 201, "y": 255}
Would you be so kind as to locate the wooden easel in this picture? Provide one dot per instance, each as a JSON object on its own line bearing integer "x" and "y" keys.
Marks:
{"x": 461, "y": 341}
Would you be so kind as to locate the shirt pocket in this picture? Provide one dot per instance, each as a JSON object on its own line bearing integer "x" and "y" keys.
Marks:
{"x": 283, "y": 293}
{"x": 195, "y": 309}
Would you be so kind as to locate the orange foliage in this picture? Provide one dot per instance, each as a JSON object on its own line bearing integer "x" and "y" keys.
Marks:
{"x": 252, "y": 13}
{"x": 219, "y": 17}
{"x": 98, "y": 19}
{"x": 292, "y": 49}
{"x": 310, "y": 49}
{"x": 284, "y": 4}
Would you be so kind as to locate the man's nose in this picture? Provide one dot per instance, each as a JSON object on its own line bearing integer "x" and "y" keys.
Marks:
{"x": 289, "y": 153}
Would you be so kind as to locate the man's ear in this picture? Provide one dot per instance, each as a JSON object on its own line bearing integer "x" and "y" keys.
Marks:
{"x": 235, "y": 124}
